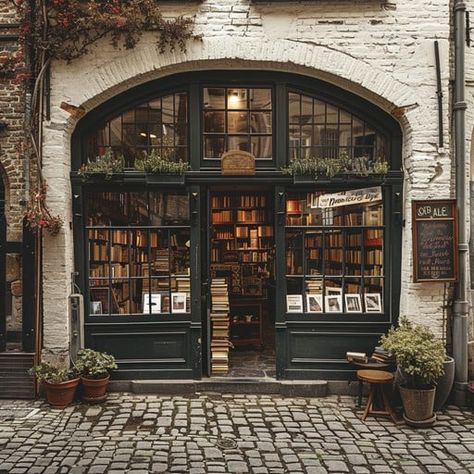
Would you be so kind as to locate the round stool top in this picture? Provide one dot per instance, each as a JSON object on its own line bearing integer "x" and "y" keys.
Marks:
{"x": 374, "y": 376}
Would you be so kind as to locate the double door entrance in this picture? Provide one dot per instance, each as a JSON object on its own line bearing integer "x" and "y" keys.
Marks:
{"x": 239, "y": 289}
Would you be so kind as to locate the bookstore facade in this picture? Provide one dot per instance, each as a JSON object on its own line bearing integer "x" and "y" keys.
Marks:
{"x": 272, "y": 272}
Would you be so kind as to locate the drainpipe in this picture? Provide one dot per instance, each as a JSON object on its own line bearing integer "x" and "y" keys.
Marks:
{"x": 461, "y": 305}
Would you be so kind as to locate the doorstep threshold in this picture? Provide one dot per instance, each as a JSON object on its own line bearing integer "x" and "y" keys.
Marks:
{"x": 228, "y": 385}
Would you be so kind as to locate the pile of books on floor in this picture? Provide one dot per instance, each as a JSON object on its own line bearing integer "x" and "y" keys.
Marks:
{"x": 220, "y": 327}
{"x": 382, "y": 355}
{"x": 357, "y": 357}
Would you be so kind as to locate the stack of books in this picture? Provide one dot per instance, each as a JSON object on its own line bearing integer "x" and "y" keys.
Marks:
{"x": 220, "y": 327}
{"x": 382, "y": 355}
{"x": 183, "y": 285}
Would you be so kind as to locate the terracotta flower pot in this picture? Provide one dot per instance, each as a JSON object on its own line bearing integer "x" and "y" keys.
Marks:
{"x": 94, "y": 390}
{"x": 60, "y": 395}
{"x": 417, "y": 404}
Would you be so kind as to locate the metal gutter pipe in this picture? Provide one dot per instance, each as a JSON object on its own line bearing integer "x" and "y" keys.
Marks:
{"x": 461, "y": 304}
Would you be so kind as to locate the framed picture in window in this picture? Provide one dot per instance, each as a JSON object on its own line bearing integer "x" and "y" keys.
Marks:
{"x": 314, "y": 303}
{"x": 373, "y": 302}
{"x": 294, "y": 303}
{"x": 178, "y": 302}
{"x": 96, "y": 307}
{"x": 151, "y": 303}
{"x": 333, "y": 291}
{"x": 353, "y": 303}
{"x": 333, "y": 303}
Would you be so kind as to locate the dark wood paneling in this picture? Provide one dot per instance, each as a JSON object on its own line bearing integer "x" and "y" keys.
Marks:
{"x": 146, "y": 351}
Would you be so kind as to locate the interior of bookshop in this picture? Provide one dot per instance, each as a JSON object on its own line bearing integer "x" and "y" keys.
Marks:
{"x": 139, "y": 264}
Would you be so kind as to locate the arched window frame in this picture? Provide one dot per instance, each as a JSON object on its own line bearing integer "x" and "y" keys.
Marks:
{"x": 281, "y": 83}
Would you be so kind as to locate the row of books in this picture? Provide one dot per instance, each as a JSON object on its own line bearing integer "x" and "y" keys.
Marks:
{"x": 249, "y": 200}
{"x": 220, "y": 310}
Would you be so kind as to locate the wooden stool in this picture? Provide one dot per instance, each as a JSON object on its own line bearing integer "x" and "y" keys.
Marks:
{"x": 377, "y": 380}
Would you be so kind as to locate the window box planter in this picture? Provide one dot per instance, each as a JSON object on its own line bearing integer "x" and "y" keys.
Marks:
{"x": 176, "y": 179}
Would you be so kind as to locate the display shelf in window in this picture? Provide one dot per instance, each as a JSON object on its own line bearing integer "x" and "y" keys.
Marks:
{"x": 337, "y": 246}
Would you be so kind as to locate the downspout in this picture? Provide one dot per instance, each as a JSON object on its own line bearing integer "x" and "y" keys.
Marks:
{"x": 461, "y": 304}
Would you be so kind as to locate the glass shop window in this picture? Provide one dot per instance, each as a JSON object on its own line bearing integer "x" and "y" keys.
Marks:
{"x": 320, "y": 130}
{"x": 138, "y": 253}
{"x": 335, "y": 252}
{"x": 237, "y": 119}
{"x": 160, "y": 125}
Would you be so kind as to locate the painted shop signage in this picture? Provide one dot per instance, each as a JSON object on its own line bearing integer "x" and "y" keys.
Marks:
{"x": 435, "y": 246}
{"x": 347, "y": 198}
{"x": 237, "y": 163}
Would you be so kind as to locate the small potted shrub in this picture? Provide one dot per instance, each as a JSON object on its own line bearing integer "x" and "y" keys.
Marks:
{"x": 60, "y": 383}
{"x": 420, "y": 356}
{"x": 94, "y": 368}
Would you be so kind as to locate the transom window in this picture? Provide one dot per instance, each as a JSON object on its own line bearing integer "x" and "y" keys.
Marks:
{"x": 237, "y": 119}
{"x": 160, "y": 124}
{"x": 319, "y": 129}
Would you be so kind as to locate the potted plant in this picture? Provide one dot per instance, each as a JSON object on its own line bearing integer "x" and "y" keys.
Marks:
{"x": 60, "y": 383}
{"x": 420, "y": 356}
{"x": 162, "y": 162}
{"x": 311, "y": 168}
{"x": 94, "y": 368}
{"x": 106, "y": 165}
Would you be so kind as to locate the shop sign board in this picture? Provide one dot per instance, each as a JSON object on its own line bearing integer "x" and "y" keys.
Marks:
{"x": 237, "y": 163}
{"x": 435, "y": 246}
{"x": 347, "y": 198}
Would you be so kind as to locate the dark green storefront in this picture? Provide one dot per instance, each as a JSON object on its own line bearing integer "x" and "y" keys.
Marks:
{"x": 144, "y": 241}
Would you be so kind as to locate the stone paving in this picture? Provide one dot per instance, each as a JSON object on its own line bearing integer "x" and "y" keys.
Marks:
{"x": 213, "y": 433}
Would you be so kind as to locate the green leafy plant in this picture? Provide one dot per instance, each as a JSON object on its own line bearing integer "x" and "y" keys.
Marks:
{"x": 419, "y": 353}
{"x": 107, "y": 164}
{"x": 50, "y": 373}
{"x": 160, "y": 162}
{"x": 92, "y": 364}
{"x": 332, "y": 166}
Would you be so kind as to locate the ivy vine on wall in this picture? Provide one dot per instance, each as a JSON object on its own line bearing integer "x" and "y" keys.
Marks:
{"x": 66, "y": 30}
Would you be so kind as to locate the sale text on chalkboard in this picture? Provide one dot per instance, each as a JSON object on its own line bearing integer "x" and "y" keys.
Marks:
{"x": 435, "y": 241}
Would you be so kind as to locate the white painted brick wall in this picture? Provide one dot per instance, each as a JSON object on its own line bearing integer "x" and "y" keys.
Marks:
{"x": 385, "y": 55}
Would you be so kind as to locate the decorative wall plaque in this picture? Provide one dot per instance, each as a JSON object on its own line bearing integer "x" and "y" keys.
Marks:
{"x": 237, "y": 163}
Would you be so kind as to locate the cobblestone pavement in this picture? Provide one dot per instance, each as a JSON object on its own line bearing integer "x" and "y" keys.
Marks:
{"x": 211, "y": 433}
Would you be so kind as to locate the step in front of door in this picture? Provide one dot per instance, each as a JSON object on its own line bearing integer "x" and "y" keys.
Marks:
{"x": 15, "y": 381}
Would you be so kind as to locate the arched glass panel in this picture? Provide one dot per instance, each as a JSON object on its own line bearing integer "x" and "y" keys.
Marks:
{"x": 160, "y": 124}
{"x": 319, "y": 129}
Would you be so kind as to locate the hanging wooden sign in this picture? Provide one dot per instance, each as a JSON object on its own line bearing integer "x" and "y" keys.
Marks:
{"x": 237, "y": 163}
{"x": 435, "y": 246}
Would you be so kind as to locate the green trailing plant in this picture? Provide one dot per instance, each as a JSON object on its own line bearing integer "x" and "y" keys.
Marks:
{"x": 92, "y": 364}
{"x": 107, "y": 164}
{"x": 160, "y": 162}
{"x": 419, "y": 353}
{"x": 332, "y": 166}
{"x": 51, "y": 373}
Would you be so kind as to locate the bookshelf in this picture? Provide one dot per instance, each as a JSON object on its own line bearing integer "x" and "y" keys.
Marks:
{"x": 242, "y": 237}
{"x": 246, "y": 324}
{"x": 136, "y": 271}
{"x": 335, "y": 251}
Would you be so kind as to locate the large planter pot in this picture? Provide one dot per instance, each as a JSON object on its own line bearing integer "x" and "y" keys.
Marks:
{"x": 417, "y": 404}
{"x": 60, "y": 395}
{"x": 94, "y": 390}
{"x": 445, "y": 384}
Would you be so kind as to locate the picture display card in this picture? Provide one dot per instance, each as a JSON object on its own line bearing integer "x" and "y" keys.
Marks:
{"x": 373, "y": 302}
{"x": 294, "y": 303}
{"x": 178, "y": 302}
{"x": 333, "y": 303}
{"x": 314, "y": 303}
{"x": 151, "y": 303}
{"x": 353, "y": 303}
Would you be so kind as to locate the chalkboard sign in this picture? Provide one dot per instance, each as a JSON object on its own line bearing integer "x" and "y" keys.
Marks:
{"x": 435, "y": 255}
